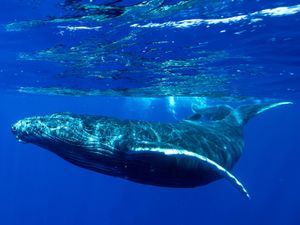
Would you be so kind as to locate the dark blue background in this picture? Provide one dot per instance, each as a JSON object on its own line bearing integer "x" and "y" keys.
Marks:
{"x": 39, "y": 188}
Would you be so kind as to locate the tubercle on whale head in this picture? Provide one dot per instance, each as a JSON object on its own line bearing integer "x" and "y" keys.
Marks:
{"x": 46, "y": 130}
{"x": 15, "y": 129}
{"x": 26, "y": 130}
{"x": 40, "y": 128}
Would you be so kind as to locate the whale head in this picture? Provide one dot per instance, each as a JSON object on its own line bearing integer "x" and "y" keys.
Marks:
{"x": 45, "y": 129}
{"x": 29, "y": 129}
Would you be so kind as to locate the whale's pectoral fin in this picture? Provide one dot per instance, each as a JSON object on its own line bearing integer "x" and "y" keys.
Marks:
{"x": 222, "y": 171}
{"x": 203, "y": 160}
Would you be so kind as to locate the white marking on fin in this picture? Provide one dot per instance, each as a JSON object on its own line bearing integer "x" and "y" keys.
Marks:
{"x": 273, "y": 106}
{"x": 208, "y": 162}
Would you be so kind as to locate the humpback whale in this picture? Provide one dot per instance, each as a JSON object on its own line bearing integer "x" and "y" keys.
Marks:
{"x": 189, "y": 153}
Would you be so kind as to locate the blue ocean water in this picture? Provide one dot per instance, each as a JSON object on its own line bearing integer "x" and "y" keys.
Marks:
{"x": 149, "y": 60}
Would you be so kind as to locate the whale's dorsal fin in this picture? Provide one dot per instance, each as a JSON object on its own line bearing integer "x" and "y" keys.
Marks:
{"x": 204, "y": 160}
{"x": 195, "y": 117}
{"x": 212, "y": 113}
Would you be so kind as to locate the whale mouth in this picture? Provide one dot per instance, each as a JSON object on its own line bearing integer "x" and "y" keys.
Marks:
{"x": 14, "y": 129}
{"x": 19, "y": 139}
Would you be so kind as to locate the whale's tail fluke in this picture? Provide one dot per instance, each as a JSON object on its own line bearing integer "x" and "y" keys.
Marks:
{"x": 245, "y": 112}
{"x": 241, "y": 114}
